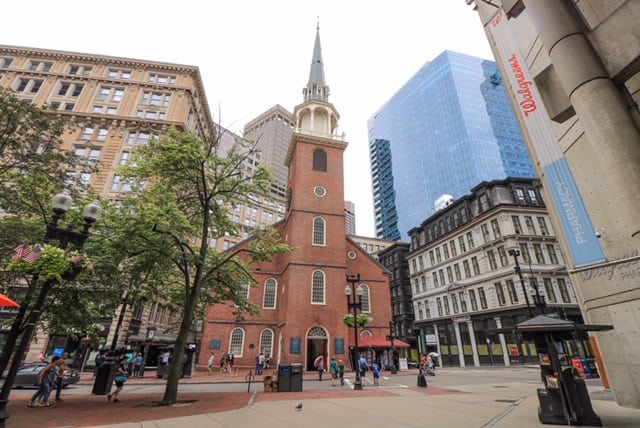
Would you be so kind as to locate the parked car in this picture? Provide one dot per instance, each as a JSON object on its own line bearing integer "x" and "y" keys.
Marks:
{"x": 27, "y": 376}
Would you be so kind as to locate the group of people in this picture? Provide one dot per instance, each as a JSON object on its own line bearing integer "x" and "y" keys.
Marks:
{"x": 50, "y": 377}
{"x": 262, "y": 362}
{"x": 428, "y": 363}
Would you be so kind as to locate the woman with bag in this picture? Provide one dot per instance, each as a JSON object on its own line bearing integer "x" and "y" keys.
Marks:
{"x": 120, "y": 378}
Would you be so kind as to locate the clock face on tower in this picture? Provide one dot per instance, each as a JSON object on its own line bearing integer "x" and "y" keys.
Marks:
{"x": 319, "y": 191}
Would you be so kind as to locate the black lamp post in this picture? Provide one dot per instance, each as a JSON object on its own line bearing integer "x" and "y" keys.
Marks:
{"x": 518, "y": 271}
{"x": 61, "y": 203}
{"x": 354, "y": 304}
{"x": 392, "y": 338}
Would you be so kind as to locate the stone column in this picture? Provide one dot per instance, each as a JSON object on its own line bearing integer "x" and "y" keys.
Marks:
{"x": 456, "y": 327}
{"x": 474, "y": 346}
{"x": 503, "y": 344}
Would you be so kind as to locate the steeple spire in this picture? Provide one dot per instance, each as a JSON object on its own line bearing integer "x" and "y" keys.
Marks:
{"x": 316, "y": 88}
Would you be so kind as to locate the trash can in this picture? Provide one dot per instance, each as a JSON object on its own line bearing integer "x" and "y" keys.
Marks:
{"x": 284, "y": 377}
{"x": 296, "y": 377}
{"x": 104, "y": 378}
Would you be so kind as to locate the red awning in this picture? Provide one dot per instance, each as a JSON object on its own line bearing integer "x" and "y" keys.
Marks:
{"x": 378, "y": 342}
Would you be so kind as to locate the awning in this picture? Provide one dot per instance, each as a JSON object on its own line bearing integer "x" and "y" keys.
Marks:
{"x": 378, "y": 342}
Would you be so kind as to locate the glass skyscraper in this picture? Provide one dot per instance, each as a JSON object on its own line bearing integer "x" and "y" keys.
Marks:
{"x": 449, "y": 128}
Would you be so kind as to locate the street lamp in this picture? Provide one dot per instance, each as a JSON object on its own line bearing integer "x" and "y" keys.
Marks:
{"x": 61, "y": 203}
{"x": 518, "y": 271}
{"x": 392, "y": 338}
{"x": 354, "y": 304}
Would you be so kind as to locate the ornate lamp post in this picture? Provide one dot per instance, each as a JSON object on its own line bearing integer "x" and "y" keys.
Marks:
{"x": 518, "y": 271}
{"x": 354, "y": 304}
{"x": 61, "y": 203}
{"x": 391, "y": 338}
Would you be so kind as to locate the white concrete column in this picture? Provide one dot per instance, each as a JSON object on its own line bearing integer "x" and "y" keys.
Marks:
{"x": 474, "y": 347}
{"x": 456, "y": 327}
{"x": 503, "y": 344}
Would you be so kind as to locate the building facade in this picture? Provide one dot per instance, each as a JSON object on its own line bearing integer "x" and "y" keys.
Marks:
{"x": 302, "y": 293}
{"x": 462, "y": 261}
{"x": 118, "y": 104}
{"x": 572, "y": 69}
{"x": 448, "y": 128}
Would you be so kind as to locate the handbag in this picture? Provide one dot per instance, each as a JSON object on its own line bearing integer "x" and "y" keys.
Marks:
{"x": 121, "y": 378}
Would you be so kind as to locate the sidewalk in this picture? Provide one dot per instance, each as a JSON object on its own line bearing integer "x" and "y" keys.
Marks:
{"x": 512, "y": 406}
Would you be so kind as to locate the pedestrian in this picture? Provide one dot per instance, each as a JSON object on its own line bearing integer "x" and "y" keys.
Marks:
{"x": 333, "y": 368}
{"x": 166, "y": 360}
{"x": 376, "y": 374}
{"x": 362, "y": 367}
{"x": 423, "y": 361}
{"x": 230, "y": 361}
{"x": 137, "y": 365}
{"x": 210, "y": 361}
{"x": 47, "y": 378}
{"x": 223, "y": 363}
{"x": 319, "y": 365}
{"x": 341, "y": 372}
{"x": 160, "y": 368}
{"x": 120, "y": 378}
{"x": 61, "y": 369}
{"x": 260, "y": 363}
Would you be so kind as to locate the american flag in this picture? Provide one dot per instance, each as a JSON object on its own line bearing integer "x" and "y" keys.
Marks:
{"x": 21, "y": 251}
{"x": 34, "y": 255}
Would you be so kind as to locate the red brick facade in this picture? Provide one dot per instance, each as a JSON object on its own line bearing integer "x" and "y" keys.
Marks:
{"x": 300, "y": 329}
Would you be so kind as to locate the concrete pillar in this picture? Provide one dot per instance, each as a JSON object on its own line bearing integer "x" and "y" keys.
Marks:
{"x": 456, "y": 327}
{"x": 474, "y": 346}
{"x": 503, "y": 344}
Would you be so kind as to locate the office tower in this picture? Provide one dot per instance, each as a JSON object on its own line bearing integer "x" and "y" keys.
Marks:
{"x": 350, "y": 217}
{"x": 447, "y": 129}
{"x": 272, "y": 130}
{"x": 573, "y": 72}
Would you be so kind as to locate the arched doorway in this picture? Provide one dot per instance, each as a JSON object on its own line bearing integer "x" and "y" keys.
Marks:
{"x": 317, "y": 342}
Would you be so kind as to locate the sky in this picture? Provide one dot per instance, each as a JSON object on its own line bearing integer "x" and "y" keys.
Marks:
{"x": 254, "y": 54}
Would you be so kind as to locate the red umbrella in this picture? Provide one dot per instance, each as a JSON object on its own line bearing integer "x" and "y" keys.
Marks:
{"x": 6, "y": 302}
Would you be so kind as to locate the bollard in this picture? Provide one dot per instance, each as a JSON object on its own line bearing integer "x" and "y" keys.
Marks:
{"x": 249, "y": 378}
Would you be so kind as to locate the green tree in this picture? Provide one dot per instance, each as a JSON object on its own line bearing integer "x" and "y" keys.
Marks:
{"x": 33, "y": 167}
{"x": 191, "y": 185}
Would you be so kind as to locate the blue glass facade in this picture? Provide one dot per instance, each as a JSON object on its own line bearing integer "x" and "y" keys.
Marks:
{"x": 449, "y": 128}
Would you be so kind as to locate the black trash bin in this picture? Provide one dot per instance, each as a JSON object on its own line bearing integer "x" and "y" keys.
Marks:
{"x": 104, "y": 378}
{"x": 296, "y": 377}
{"x": 284, "y": 377}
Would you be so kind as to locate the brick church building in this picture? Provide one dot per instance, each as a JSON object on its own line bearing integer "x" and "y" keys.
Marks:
{"x": 302, "y": 293}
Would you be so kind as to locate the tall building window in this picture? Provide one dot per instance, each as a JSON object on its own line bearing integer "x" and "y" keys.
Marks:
{"x": 70, "y": 89}
{"x": 40, "y": 66}
{"x": 445, "y": 300}
{"x": 454, "y": 303}
{"x": 423, "y": 281}
{"x": 485, "y": 233}
{"x": 439, "y": 305}
{"x": 435, "y": 279}
{"x": 520, "y": 196}
{"x": 463, "y": 302}
{"x": 319, "y": 231}
{"x": 495, "y": 226}
{"x": 524, "y": 251}
{"x": 110, "y": 93}
{"x": 266, "y": 341}
{"x": 427, "y": 309}
{"x": 465, "y": 266}
{"x": 472, "y": 299}
{"x": 511, "y": 289}
{"x": 483, "y": 298}
{"x": 564, "y": 290}
{"x": 319, "y": 160}
{"x": 236, "y": 344}
{"x": 269, "y": 299}
{"x": 365, "y": 299}
{"x": 463, "y": 249}
{"x": 160, "y": 99}
{"x": 542, "y": 224}
{"x": 449, "y": 274}
{"x": 502, "y": 253}
{"x": 528, "y": 221}
{"x": 500, "y": 294}
{"x": 115, "y": 73}
{"x": 551, "y": 250}
{"x": 28, "y": 85}
{"x": 138, "y": 138}
{"x": 317, "y": 288}
{"x": 162, "y": 79}
{"x": 456, "y": 271}
{"x": 470, "y": 240}
{"x": 80, "y": 70}
{"x": 476, "y": 266}
{"x": 548, "y": 288}
{"x": 438, "y": 255}
{"x": 537, "y": 250}
{"x": 491, "y": 256}
{"x": 243, "y": 288}
{"x": 532, "y": 196}
{"x": 452, "y": 245}
{"x": 515, "y": 220}
{"x": 5, "y": 62}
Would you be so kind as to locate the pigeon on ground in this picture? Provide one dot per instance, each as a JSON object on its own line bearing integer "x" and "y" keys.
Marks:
{"x": 298, "y": 406}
